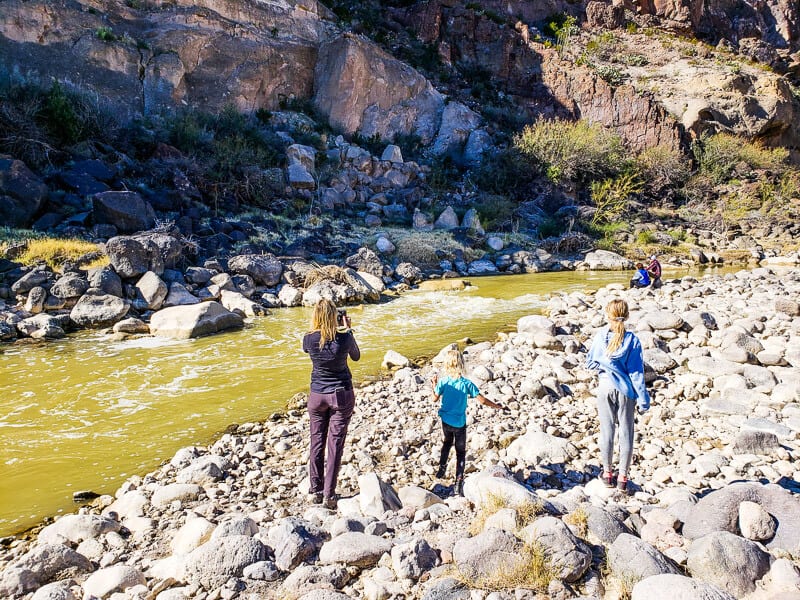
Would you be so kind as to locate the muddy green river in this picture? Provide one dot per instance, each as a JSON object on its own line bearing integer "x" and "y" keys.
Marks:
{"x": 84, "y": 413}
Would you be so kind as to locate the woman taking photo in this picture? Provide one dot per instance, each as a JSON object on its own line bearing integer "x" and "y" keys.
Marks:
{"x": 332, "y": 399}
{"x": 617, "y": 355}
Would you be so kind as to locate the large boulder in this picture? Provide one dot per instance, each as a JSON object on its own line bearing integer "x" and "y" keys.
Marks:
{"x": 458, "y": 122}
{"x": 265, "y": 269}
{"x": 98, "y": 310}
{"x": 363, "y": 89}
{"x": 719, "y": 511}
{"x": 216, "y": 561}
{"x": 22, "y": 193}
{"x": 632, "y": 559}
{"x": 496, "y": 482}
{"x": 486, "y": 554}
{"x": 127, "y": 211}
{"x": 604, "y": 260}
{"x": 151, "y": 290}
{"x": 116, "y": 578}
{"x": 43, "y": 564}
{"x": 106, "y": 280}
{"x": 194, "y": 320}
{"x": 676, "y": 587}
{"x": 540, "y": 448}
{"x": 375, "y": 497}
{"x": 365, "y": 260}
{"x": 728, "y": 561}
{"x": 568, "y": 556}
{"x": 354, "y": 549}
{"x": 76, "y": 528}
{"x": 70, "y": 285}
{"x": 129, "y": 257}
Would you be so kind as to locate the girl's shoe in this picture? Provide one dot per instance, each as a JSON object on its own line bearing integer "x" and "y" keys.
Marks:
{"x": 622, "y": 483}
{"x": 458, "y": 488}
{"x": 608, "y": 479}
{"x": 441, "y": 472}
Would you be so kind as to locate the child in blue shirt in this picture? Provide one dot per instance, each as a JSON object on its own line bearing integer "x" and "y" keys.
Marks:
{"x": 454, "y": 389}
{"x": 642, "y": 278}
{"x": 616, "y": 354}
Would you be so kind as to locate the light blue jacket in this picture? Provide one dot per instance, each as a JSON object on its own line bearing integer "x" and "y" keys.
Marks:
{"x": 625, "y": 368}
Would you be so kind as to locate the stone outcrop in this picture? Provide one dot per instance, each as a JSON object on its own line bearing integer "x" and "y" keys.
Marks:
{"x": 22, "y": 193}
{"x": 193, "y": 320}
{"x": 362, "y": 89}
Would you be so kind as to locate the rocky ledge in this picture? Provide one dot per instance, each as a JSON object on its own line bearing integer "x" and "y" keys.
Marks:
{"x": 714, "y": 512}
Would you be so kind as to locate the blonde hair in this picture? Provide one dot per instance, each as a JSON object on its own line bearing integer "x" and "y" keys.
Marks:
{"x": 454, "y": 363}
{"x": 616, "y": 312}
{"x": 323, "y": 319}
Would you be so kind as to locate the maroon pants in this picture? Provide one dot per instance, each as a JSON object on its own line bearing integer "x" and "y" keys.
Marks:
{"x": 329, "y": 416}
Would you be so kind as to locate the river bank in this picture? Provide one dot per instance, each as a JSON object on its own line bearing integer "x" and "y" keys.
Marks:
{"x": 231, "y": 520}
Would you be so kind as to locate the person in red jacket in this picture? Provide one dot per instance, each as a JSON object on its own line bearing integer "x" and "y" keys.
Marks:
{"x": 654, "y": 270}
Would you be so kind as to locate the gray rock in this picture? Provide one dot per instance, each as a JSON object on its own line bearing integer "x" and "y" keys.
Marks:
{"x": 264, "y": 269}
{"x": 677, "y": 587}
{"x": 538, "y": 447}
{"x": 299, "y": 177}
{"x": 765, "y": 425}
{"x": 76, "y": 528}
{"x": 604, "y": 260}
{"x": 183, "y": 322}
{"x": 728, "y": 561}
{"x": 116, "y": 578}
{"x": 216, "y": 561}
{"x": 152, "y": 290}
{"x": 306, "y": 578}
{"x": 179, "y": 296}
{"x": 408, "y": 273}
{"x": 354, "y": 549}
{"x": 535, "y": 323}
{"x": 324, "y": 595}
{"x": 294, "y": 540}
{"x": 662, "y": 319}
{"x": 264, "y": 570}
{"x": 392, "y": 153}
{"x": 58, "y": 590}
{"x": 199, "y": 275}
{"x": 412, "y": 559}
{"x": 787, "y": 306}
{"x": 448, "y": 219}
{"x": 478, "y": 142}
{"x": 22, "y": 193}
{"x": 755, "y": 442}
{"x": 183, "y": 492}
{"x": 481, "y": 267}
{"x": 127, "y": 211}
{"x": 33, "y": 278}
{"x": 472, "y": 221}
{"x": 457, "y": 123}
{"x": 719, "y": 511}
{"x": 713, "y": 367}
{"x": 240, "y": 304}
{"x": 128, "y": 257}
{"x": 447, "y": 589}
{"x": 105, "y": 280}
{"x": 415, "y": 497}
{"x": 290, "y": 296}
{"x": 41, "y": 565}
{"x": 755, "y": 523}
{"x": 603, "y": 526}
{"x": 69, "y": 286}
{"x": 98, "y": 310}
{"x": 487, "y": 553}
{"x": 375, "y": 496}
{"x": 658, "y": 360}
{"x": 235, "y": 525}
{"x": 568, "y": 555}
{"x": 632, "y": 559}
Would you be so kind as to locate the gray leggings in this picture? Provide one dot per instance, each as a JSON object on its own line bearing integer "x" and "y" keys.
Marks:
{"x": 613, "y": 409}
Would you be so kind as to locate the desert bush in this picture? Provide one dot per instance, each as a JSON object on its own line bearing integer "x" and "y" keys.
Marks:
{"x": 662, "y": 167}
{"x": 571, "y": 151}
{"x": 719, "y": 156}
{"x": 429, "y": 247}
{"x": 611, "y": 196}
{"x": 613, "y": 76}
{"x": 496, "y": 212}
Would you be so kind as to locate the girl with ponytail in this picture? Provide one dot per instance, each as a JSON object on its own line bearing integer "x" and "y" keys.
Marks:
{"x": 616, "y": 354}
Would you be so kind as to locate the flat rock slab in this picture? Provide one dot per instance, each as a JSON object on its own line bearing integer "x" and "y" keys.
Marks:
{"x": 355, "y": 549}
{"x": 193, "y": 320}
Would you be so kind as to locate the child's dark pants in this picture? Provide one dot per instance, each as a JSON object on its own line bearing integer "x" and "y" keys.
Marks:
{"x": 459, "y": 436}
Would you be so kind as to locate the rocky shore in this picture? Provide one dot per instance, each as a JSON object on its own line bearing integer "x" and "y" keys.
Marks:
{"x": 714, "y": 513}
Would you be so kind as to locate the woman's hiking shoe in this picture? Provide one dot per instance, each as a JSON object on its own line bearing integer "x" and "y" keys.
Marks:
{"x": 458, "y": 488}
{"x": 315, "y": 497}
{"x": 329, "y": 503}
{"x": 622, "y": 484}
{"x": 608, "y": 479}
{"x": 441, "y": 472}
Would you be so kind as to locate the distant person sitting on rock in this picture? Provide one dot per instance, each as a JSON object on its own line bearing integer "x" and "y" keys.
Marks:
{"x": 332, "y": 399}
{"x": 617, "y": 355}
{"x": 454, "y": 389}
{"x": 641, "y": 279}
{"x": 654, "y": 270}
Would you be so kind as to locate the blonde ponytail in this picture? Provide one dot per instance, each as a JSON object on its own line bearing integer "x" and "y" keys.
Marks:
{"x": 616, "y": 312}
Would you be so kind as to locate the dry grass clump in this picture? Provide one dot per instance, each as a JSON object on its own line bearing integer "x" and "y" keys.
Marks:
{"x": 579, "y": 519}
{"x": 429, "y": 247}
{"x": 55, "y": 252}
{"x": 326, "y": 273}
{"x": 526, "y": 511}
{"x": 530, "y": 570}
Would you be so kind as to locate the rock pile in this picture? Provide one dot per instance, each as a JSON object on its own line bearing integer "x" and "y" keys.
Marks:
{"x": 714, "y": 512}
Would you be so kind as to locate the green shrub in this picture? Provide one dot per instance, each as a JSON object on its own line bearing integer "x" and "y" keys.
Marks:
{"x": 496, "y": 212}
{"x": 613, "y": 76}
{"x": 611, "y": 196}
{"x": 603, "y": 46}
{"x": 719, "y": 156}
{"x": 571, "y": 151}
{"x": 106, "y": 34}
{"x": 561, "y": 27}
{"x": 662, "y": 167}
{"x": 374, "y": 143}
{"x": 551, "y": 227}
{"x": 645, "y": 238}
{"x": 506, "y": 173}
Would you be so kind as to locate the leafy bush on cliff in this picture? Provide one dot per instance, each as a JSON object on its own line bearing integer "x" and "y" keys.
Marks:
{"x": 720, "y": 156}
{"x": 571, "y": 151}
{"x": 662, "y": 168}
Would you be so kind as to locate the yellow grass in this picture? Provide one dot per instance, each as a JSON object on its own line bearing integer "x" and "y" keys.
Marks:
{"x": 54, "y": 251}
{"x": 526, "y": 511}
{"x": 531, "y": 570}
{"x": 579, "y": 519}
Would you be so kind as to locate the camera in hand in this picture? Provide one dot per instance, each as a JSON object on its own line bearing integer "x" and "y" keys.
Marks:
{"x": 340, "y": 317}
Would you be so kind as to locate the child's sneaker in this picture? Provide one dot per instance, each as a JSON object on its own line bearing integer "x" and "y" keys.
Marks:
{"x": 441, "y": 472}
{"x": 622, "y": 484}
{"x": 608, "y": 479}
{"x": 458, "y": 488}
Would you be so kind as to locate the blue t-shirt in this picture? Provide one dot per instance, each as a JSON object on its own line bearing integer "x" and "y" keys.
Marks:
{"x": 454, "y": 393}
